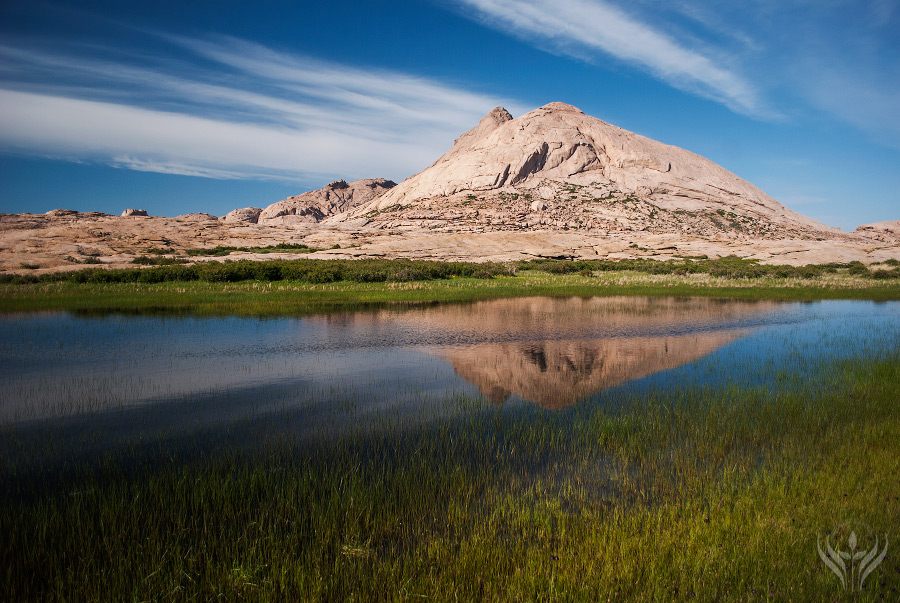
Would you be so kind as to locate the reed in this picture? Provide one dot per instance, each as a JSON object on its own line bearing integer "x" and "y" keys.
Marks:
{"x": 690, "y": 492}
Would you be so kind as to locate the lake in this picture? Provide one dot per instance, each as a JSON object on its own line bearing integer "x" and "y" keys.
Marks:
{"x": 604, "y": 448}
{"x": 143, "y": 373}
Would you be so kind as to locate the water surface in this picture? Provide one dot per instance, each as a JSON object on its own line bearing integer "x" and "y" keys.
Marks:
{"x": 549, "y": 352}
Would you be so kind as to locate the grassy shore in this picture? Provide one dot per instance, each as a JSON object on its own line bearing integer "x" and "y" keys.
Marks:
{"x": 692, "y": 493}
{"x": 294, "y": 297}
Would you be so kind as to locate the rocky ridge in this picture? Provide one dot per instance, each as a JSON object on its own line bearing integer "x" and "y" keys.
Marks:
{"x": 336, "y": 198}
{"x": 888, "y": 231}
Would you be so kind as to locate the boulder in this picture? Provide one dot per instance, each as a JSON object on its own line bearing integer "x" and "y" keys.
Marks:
{"x": 248, "y": 215}
{"x": 134, "y": 212}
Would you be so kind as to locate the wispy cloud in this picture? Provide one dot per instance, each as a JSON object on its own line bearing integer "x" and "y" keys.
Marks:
{"x": 227, "y": 108}
{"x": 870, "y": 103}
{"x": 586, "y": 28}
{"x": 857, "y": 79}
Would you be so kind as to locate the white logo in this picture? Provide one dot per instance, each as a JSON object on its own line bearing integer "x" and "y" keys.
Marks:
{"x": 855, "y": 562}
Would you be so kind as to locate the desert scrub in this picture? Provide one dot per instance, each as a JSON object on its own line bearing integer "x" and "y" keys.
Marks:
{"x": 730, "y": 267}
{"x": 158, "y": 261}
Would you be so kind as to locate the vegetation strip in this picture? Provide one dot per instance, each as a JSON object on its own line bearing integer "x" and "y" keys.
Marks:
{"x": 401, "y": 270}
{"x": 297, "y": 287}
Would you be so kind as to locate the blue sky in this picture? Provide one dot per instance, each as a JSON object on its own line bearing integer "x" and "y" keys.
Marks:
{"x": 208, "y": 106}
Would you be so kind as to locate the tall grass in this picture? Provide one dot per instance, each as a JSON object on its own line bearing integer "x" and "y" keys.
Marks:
{"x": 688, "y": 493}
{"x": 294, "y": 298}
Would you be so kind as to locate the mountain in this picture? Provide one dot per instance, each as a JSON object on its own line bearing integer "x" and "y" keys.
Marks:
{"x": 557, "y": 168}
{"x": 553, "y": 183}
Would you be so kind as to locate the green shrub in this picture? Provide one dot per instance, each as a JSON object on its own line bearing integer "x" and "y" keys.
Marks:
{"x": 148, "y": 261}
{"x": 885, "y": 274}
{"x": 857, "y": 268}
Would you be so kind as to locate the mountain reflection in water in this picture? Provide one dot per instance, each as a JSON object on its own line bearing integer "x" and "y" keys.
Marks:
{"x": 554, "y": 352}
{"x": 556, "y": 374}
{"x": 551, "y": 351}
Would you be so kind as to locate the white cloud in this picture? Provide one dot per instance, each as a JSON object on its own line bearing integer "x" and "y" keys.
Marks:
{"x": 583, "y": 27}
{"x": 230, "y": 109}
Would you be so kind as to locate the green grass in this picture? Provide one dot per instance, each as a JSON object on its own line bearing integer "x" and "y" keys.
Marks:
{"x": 297, "y": 287}
{"x": 292, "y": 298}
{"x": 692, "y": 493}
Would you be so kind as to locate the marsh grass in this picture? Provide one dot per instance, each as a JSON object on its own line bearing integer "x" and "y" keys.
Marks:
{"x": 688, "y": 493}
{"x": 296, "y": 298}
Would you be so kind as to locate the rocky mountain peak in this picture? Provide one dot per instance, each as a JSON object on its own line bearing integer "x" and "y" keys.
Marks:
{"x": 490, "y": 122}
{"x": 498, "y": 115}
{"x": 560, "y": 107}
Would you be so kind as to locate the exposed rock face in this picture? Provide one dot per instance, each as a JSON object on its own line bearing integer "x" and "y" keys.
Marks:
{"x": 588, "y": 175}
{"x": 65, "y": 241}
{"x": 249, "y": 215}
{"x": 134, "y": 212}
{"x": 196, "y": 217}
{"x": 888, "y": 232}
{"x": 336, "y": 198}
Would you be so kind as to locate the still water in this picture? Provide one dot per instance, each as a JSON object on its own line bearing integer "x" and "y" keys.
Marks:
{"x": 140, "y": 373}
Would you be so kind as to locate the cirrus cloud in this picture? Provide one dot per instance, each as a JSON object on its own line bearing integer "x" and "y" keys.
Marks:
{"x": 584, "y": 27}
{"x": 227, "y": 108}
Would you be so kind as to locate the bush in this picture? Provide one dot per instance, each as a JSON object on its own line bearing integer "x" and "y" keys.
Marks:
{"x": 857, "y": 268}
{"x": 158, "y": 261}
{"x": 885, "y": 274}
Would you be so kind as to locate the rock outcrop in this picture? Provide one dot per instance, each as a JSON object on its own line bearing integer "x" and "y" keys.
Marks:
{"x": 888, "y": 231}
{"x": 557, "y": 168}
{"x": 336, "y": 198}
{"x": 134, "y": 212}
{"x": 196, "y": 217}
{"x": 247, "y": 215}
